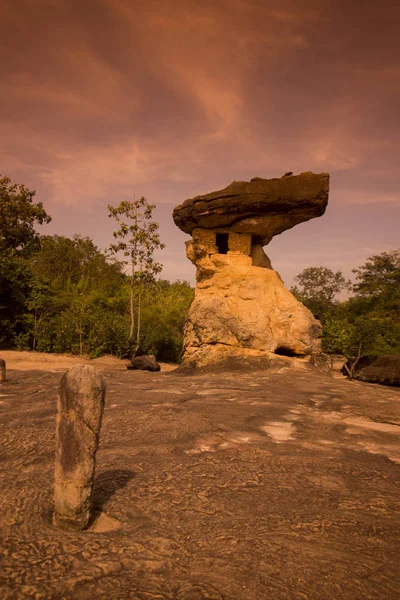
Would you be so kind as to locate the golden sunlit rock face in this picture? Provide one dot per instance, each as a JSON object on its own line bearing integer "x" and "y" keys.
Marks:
{"x": 241, "y": 307}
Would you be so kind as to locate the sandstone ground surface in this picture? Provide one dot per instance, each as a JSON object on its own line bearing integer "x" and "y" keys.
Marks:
{"x": 234, "y": 486}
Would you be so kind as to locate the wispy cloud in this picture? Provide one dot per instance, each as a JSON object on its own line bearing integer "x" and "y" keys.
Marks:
{"x": 182, "y": 97}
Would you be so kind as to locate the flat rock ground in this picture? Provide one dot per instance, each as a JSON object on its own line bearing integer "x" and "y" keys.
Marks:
{"x": 238, "y": 486}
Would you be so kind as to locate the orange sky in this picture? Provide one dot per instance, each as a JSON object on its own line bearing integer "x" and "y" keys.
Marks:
{"x": 168, "y": 99}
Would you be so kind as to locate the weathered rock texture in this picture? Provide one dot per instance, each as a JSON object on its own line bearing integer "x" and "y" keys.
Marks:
{"x": 269, "y": 486}
{"x": 241, "y": 307}
{"x": 80, "y": 410}
{"x": 260, "y": 207}
{"x": 238, "y": 305}
{"x": 2, "y": 370}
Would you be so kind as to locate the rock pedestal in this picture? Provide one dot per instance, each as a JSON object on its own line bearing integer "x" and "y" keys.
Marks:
{"x": 80, "y": 410}
{"x": 241, "y": 307}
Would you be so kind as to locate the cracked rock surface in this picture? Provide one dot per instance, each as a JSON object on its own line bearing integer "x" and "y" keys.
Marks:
{"x": 278, "y": 484}
{"x": 248, "y": 310}
{"x": 261, "y": 207}
{"x": 80, "y": 410}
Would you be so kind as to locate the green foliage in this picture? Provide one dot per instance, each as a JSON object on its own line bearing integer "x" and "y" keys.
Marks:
{"x": 107, "y": 334}
{"x": 40, "y": 303}
{"x": 367, "y": 323}
{"x": 60, "y": 294}
{"x": 318, "y": 288}
{"x": 379, "y": 278}
{"x": 75, "y": 285}
{"x": 165, "y": 306}
{"x": 18, "y": 239}
{"x": 18, "y": 215}
{"x": 68, "y": 297}
{"x": 67, "y": 262}
{"x": 96, "y": 323}
{"x": 338, "y": 336}
{"x": 138, "y": 239}
{"x": 67, "y": 275}
{"x": 375, "y": 308}
{"x": 15, "y": 285}
{"x": 377, "y": 333}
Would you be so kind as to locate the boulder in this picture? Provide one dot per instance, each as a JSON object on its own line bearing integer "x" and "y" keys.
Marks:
{"x": 260, "y": 207}
{"x": 144, "y": 363}
{"x": 377, "y": 369}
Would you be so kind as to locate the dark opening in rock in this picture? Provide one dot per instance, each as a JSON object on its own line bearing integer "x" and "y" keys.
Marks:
{"x": 285, "y": 351}
{"x": 221, "y": 242}
{"x": 256, "y": 240}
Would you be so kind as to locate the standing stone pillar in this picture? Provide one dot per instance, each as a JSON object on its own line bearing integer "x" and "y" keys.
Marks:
{"x": 2, "y": 369}
{"x": 80, "y": 410}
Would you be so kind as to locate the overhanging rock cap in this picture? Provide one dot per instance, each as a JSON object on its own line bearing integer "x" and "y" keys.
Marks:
{"x": 261, "y": 207}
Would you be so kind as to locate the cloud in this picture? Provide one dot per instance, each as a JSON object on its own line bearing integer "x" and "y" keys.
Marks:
{"x": 106, "y": 98}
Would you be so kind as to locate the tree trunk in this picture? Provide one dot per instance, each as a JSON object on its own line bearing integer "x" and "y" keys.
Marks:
{"x": 138, "y": 318}
{"x": 353, "y": 363}
{"x": 131, "y": 304}
{"x": 34, "y": 332}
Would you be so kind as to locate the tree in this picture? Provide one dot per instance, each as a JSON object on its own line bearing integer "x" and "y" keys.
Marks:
{"x": 40, "y": 304}
{"x": 18, "y": 215}
{"x": 375, "y": 308}
{"x": 377, "y": 332}
{"x": 64, "y": 262}
{"x": 338, "y": 337}
{"x": 165, "y": 308}
{"x": 379, "y": 278}
{"x": 15, "y": 286}
{"x": 318, "y": 288}
{"x": 18, "y": 239}
{"x": 71, "y": 278}
{"x": 138, "y": 239}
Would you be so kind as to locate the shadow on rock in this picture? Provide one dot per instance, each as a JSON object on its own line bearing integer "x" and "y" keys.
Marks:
{"x": 108, "y": 483}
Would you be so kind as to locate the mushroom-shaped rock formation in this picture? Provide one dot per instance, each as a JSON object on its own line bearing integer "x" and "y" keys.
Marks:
{"x": 242, "y": 312}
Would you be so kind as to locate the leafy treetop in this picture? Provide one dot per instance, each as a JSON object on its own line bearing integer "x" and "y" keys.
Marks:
{"x": 318, "y": 288}
{"x": 64, "y": 262}
{"x": 139, "y": 238}
{"x": 18, "y": 215}
{"x": 379, "y": 276}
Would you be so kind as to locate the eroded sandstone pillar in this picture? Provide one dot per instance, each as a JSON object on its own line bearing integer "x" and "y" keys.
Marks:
{"x": 242, "y": 311}
{"x": 80, "y": 410}
{"x": 2, "y": 370}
